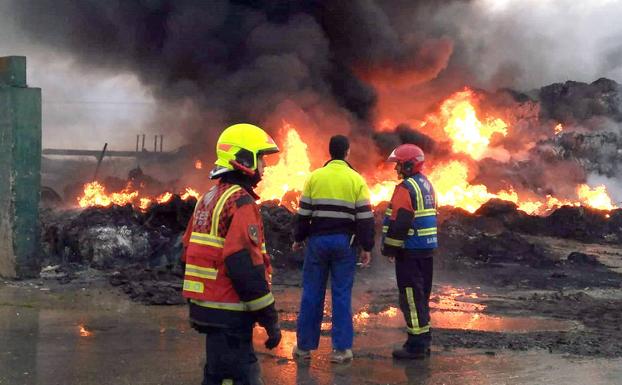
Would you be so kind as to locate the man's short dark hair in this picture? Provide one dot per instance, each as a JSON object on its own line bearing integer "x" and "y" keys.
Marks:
{"x": 338, "y": 147}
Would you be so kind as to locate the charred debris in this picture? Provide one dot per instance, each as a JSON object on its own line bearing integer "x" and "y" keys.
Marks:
{"x": 139, "y": 251}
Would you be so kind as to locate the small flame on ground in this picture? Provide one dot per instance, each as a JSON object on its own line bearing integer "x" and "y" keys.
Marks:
{"x": 198, "y": 164}
{"x": 558, "y": 129}
{"x": 95, "y": 195}
{"x": 164, "y": 197}
{"x": 83, "y": 331}
{"x": 189, "y": 193}
{"x": 390, "y": 312}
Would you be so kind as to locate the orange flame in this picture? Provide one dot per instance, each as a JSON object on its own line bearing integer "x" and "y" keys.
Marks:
{"x": 468, "y": 134}
{"x": 459, "y": 119}
{"x": 558, "y": 129}
{"x": 163, "y": 198}
{"x": 83, "y": 331}
{"x": 291, "y": 171}
{"x": 190, "y": 193}
{"x": 95, "y": 195}
{"x": 450, "y": 181}
{"x": 198, "y": 164}
{"x": 596, "y": 197}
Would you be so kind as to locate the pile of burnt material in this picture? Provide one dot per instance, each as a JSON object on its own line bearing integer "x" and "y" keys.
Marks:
{"x": 141, "y": 250}
{"x": 278, "y": 226}
{"x": 571, "y": 222}
{"x": 109, "y": 237}
{"x": 551, "y": 251}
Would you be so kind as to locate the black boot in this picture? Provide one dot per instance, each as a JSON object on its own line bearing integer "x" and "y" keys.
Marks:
{"x": 416, "y": 347}
{"x": 411, "y": 354}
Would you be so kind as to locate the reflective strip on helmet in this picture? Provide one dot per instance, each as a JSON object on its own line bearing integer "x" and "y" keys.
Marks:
{"x": 364, "y": 215}
{"x": 415, "y": 185}
{"x": 207, "y": 239}
{"x": 332, "y": 214}
{"x": 259, "y": 303}
{"x": 236, "y": 306}
{"x": 193, "y": 286}
{"x": 201, "y": 272}
{"x": 425, "y": 213}
{"x": 219, "y": 205}
{"x": 393, "y": 242}
{"x": 427, "y": 231}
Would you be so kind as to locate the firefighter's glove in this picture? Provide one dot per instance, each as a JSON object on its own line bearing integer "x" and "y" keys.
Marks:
{"x": 274, "y": 337}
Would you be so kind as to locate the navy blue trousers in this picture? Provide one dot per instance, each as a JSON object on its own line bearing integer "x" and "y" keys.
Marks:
{"x": 414, "y": 282}
{"x": 327, "y": 254}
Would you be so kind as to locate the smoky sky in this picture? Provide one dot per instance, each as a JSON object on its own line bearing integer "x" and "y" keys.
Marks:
{"x": 211, "y": 63}
{"x": 235, "y": 60}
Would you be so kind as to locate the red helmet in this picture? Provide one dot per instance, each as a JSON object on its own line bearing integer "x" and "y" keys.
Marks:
{"x": 409, "y": 156}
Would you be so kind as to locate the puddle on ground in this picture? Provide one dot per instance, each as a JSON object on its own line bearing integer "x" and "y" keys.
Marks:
{"x": 451, "y": 308}
{"x": 95, "y": 336}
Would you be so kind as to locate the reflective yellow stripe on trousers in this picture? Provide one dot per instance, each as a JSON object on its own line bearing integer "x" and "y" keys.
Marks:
{"x": 414, "y": 319}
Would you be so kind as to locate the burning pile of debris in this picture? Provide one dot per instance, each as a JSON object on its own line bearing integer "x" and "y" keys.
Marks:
{"x": 508, "y": 170}
{"x": 142, "y": 248}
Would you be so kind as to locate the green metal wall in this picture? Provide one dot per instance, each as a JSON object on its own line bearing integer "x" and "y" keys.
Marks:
{"x": 20, "y": 170}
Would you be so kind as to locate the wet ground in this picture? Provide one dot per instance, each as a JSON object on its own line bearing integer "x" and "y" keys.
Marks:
{"x": 88, "y": 333}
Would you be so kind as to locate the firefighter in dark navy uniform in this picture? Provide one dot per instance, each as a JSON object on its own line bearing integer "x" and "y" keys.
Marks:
{"x": 227, "y": 269}
{"x": 410, "y": 237}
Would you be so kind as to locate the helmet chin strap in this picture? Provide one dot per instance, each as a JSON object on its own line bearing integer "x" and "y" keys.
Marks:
{"x": 254, "y": 176}
{"x": 239, "y": 166}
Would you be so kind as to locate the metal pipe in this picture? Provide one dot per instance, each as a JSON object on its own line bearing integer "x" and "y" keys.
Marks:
{"x": 143, "y": 148}
{"x": 137, "y": 141}
{"x": 99, "y": 161}
{"x": 155, "y": 143}
{"x": 161, "y": 141}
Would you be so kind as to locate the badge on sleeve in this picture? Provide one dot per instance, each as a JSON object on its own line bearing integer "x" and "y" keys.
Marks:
{"x": 253, "y": 233}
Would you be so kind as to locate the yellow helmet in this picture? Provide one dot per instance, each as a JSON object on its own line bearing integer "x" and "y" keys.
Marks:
{"x": 239, "y": 146}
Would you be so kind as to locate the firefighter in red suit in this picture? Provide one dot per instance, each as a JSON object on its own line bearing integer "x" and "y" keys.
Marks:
{"x": 410, "y": 237}
{"x": 227, "y": 269}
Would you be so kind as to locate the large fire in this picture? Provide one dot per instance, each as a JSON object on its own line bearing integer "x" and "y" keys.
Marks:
{"x": 468, "y": 135}
{"x": 458, "y": 117}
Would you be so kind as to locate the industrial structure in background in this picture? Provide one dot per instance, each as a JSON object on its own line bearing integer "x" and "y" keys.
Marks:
{"x": 20, "y": 166}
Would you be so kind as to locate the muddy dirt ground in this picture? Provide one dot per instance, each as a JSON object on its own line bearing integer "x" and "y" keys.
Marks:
{"x": 513, "y": 297}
